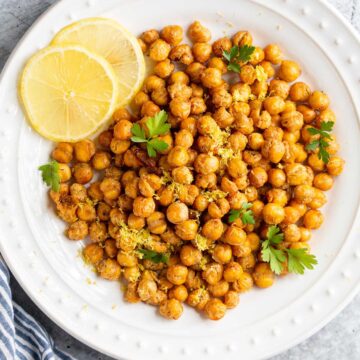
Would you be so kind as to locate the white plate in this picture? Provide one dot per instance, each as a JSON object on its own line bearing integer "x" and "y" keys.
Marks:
{"x": 266, "y": 322}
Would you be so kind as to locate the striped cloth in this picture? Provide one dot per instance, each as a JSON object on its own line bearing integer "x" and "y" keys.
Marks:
{"x": 21, "y": 337}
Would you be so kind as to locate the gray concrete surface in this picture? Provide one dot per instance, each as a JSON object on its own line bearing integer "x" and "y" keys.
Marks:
{"x": 339, "y": 340}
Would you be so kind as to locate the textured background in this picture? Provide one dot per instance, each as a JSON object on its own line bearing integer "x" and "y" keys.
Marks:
{"x": 339, "y": 340}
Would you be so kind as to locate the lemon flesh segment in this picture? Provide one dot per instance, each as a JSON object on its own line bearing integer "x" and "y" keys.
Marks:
{"x": 117, "y": 45}
{"x": 68, "y": 92}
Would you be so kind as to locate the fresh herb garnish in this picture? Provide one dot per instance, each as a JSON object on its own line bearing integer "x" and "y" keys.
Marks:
{"x": 50, "y": 175}
{"x": 244, "y": 213}
{"x": 154, "y": 256}
{"x": 298, "y": 259}
{"x": 321, "y": 143}
{"x": 236, "y": 55}
{"x": 156, "y": 125}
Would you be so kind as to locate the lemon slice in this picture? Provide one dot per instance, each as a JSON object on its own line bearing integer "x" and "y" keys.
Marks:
{"x": 117, "y": 45}
{"x": 68, "y": 92}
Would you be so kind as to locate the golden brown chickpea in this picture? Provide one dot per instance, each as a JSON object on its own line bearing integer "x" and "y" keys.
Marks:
{"x": 97, "y": 231}
{"x": 316, "y": 163}
{"x": 219, "y": 289}
{"x": 258, "y": 177}
{"x": 198, "y": 105}
{"x": 126, "y": 259}
{"x": 143, "y": 45}
{"x": 273, "y": 213}
{"x": 222, "y": 253}
{"x": 292, "y": 120}
{"x": 64, "y": 172}
{"x": 152, "y": 83}
{"x": 304, "y": 193}
{"x": 200, "y": 203}
{"x": 257, "y": 208}
{"x": 184, "y": 138}
{"x": 147, "y": 288}
{"x": 308, "y": 113}
{"x": 240, "y": 92}
{"x": 121, "y": 114}
{"x": 292, "y": 233}
{"x": 198, "y": 33}
{"x": 268, "y": 68}
{"x": 179, "y": 77}
{"x": 143, "y": 206}
{"x": 187, "y": 230}
{"x": 198, "y": 298}
{"x": 93, "y": 253}
{"x": 188, "y": 194}
{"x": 94, "y": 191}
{"x": 63, "y": 153}
{"x": 178, "y": 156}
{"x": 242, "y": 38}
{"x": 274, "y": 105}
{"x": 132, "y": 274}
{"x": 84, "y": 150}
{"x": 245, "y": 283}
{"x": 150, "y": 36}
{"x": 180, "y": 108}
{"x": 273, "y": 54}
{"x": 206, "y": 164}
{"x": 156, "y": 223}
{"x": 190, "y": 255}
{"x": 257, "y": 56}
{"x": 109, "y": 269}
{"x": 182, "y": 175}
{"x": 177, "y": 274}
{"x": 162, "y": 69}
{"x": 325, "y": 115}
{"x": 211, "y": 78}
{"x": 263, "y": 276}
{"x": 318, "y": 201}
{"x": 182, "y": 53}
{"x": 300, "y": 92}
{"x": 105, "y": 138}
{"x": 159, "y": 50}
{"x": 256, "y": 140}
{"x": 136, "y": 222}
{"x": 323, "y": 181}
{"x": 172, "y": 34}
{"x": 277, "y": 177}
{"x": 236, "y": 200}
{"x": 202, "y": 51}
{"x": 160, "y": 96}
{"x": 190, "y": 125}
{"x": 195, "y": 70}
{"x": 221, "y": 98}
{"x": 273, "y": 150}
{"x": 219, "y": 208}
{"x": 111, "y": 188}
{"x": 180, "y": 91}
{"x": 212, "y": 273}
{"x": 335, "y": 166}
{"x": 296, "y": 174}
{"x": 236, "y": 167}
{"x": 279, "y": 88}
{"x": 179, "y": 293}
{"x": 223, "y": 117}
{"x": 289, "y": 70}
{"x": 215, "y": 309}
{"x": 318, "y": 100}
{"x": 234, "y": 235}
{"x": 82, "y": 173}
{"x": 110, "y": 248}
{"x": 177, "y": 212}
{"x": 131, "y": 295}
{"x": 305, "y": 234}
{"x": 247, "y": 74}
{"x": 141, "y": 97}
{"x": 221, "y": 45}
{"x": 313, "y": 219}
{"x": 231, "y": 299}
{"x": 228, "y": 186}
{"x": 119, "y": 146}
{"x": 101, "y": 160}
{"x": 78, "y": 230}
{"x": 292, "y": 215}
{"x": 233, "y": 272}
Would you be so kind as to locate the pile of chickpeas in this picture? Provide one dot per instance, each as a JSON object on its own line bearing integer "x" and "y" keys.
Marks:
{"x": 231, "y": 142}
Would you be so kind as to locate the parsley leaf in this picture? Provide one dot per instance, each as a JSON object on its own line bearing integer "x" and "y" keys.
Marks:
{"x": 321, "y": 143}
{"x": 50, "y": 175}
{"x": 299, "y": 259}
{"x": 236, "y": 55}
{"x": 244, "y": 213}
{"x": 154, "y": 256}
{"x": 156, "y": 125}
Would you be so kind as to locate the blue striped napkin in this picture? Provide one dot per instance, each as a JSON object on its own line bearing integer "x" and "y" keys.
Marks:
{"x": 21, "y": 337}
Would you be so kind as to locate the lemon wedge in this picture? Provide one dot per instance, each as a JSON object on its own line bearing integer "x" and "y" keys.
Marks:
{"x": 68, "y": 92}
{"x": 117, "y": 45}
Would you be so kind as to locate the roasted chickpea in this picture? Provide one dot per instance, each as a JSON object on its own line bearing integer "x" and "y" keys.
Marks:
{"x": 199, "y": 33}
{"x": 84, "y": 150}
{"x": 274, "y": 150}
{"x": 215, "y": 309}
{"x": 187, "y": 230}
{"x": 178, "y": 156}
{"x": 323, "y": 181}
{"x": 159, "y": 50}
{"x": 177, "y": 274}
{"x": 245, "y": 283}
{"x": 111, "y": 188}
{"x": 255, "y": 141}
{"x": 86, "y": 212}
{"x": 64, "y": 172}
{"x": 219, "y": 289}
{"x": 94, "y": 191}
{"x": 273, "y": 54}
{"x": 119, "y": 146}
{"x": 289, "y": 70}
{"x": 268, "y": 68}
{"x": 172, "y": 34}
{"x": 82, "y": 173}
{"x": 316, "y": 163}
{"x": 313, "y": 219}
{"x": 232, "y": 272}
{"x": 184, "y": 138}
{"x": 143, "y": 206}
{"x": 101, "y": 160}
{"x": 162, "y": 69}
{"x": 63, "y": 153}
{"x": 109, "y": 269}
{"x": 318, "y": 201}
{"x": 305, "y": 234}
{"x": 242, "y": 38}
{"x": 276, "y": 177}
{"x": 247, "y": 74}
{"x": 126, "y": 259}
{"x": 292, "y": 121}
{"x": 231, "y": 299}
{"x": 190, "y": 255}
{"x": 263, "y": 276}
{"x": 150, "y": 36}
{"x": 206, "y": 164}
{"x": 202, "y": 51}
{"x": 273, "y": 213}
{"x": 135, "y": 222}
{"x": 179, "y": 293}
{"x": 156, "y": 223}
{"x": 299, "y": 92}
{"x": 212, "y": 273}
{"x": 146, "y": 289}
{"x": 318, "y": 100}
{"x": 177, "y": 213}
{"x": 236, "y": 167}
{"x": 182, "y": 53}
{"x": 234, "y": 235}
{"x": 304, "y": 193}
{"x": 274, "y": 104}
{"x": 93, "y": 253}
{"x": 335, "y": 166}
{"x": 78, "y": 230}
{"x": 258, "y": 177}
{"x": 211, "y": 78}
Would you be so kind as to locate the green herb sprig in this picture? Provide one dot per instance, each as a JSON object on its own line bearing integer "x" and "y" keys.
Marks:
{"x": 298, "y": 259}
{"x": 156, "y": 125}
{"x": 321, "y": 143}
{"x": 246, "y": 215}
{"x": 236, "y": 55}
{"x": 50, "y": 175}
{"x": 154, "y": 256}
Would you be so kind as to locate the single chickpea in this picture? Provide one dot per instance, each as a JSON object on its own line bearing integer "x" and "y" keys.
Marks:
{"x": 231, "y": 299}
{"x": 195, "y": 71}
{"x": 263, "y": 276}
{"x": 94, "y": 191}
{"x": 292, "y": 121}
{"x": 234, "y": 235}
{"x": 219, "y": 289}
{"x": 187, "y": 230}
{"x": 228, "y": 186}
{"x": 257, "y": 208}
{"x": 313, "y": 219}
{"x": 82, "y": 173}
{"x": 274, "y": 104}
{"x": 221, "y": 98}
{"x": 318, "y": 201}
{"x": 136, "y": 222}
{"x": 182, "y": 53}
{"x": 156, "y": 223}
{"x": 97, "y": 231}
{"x": 178, "y": 156}
{"x": 188, "y": 194}
{"x": 222, "y": 253}
{"x": 236, "y": 167}
{"x": 289, "y": 70}
{"x": 276, "y": 177}
{"x": 202, "y": 51}
{"x": 111, "y": 188}
{"x": 258, "y": 177}
{"x": 318, "y": 100}
{"x": 109, "y": 269}
{"x": 198, "y": 105}
{"x": 305, "y": 234}
{"x": 296, "y": 174}
{"x": 219, "y": 208}
{"x": 268, "y": 68}
{"x": 190, "y": 255}
{"x": 105, "y": 138}
{"x": 177, "y": 274}
{"x": 179, "y": 77}
{"x": 255, "y": 140}
{"x": 323, "y": 181}
{"x": 325, "y": 115}
{"x": 78, "y": 192}
{"x": 150, "y": 36}
{"x": 172, "y": 34}
{"x": 180, "y": 91}
{"x": 273, "y": 54}
{"x": 245, "y": 283}
{"x": 308, "y": 113}
{"x": 232, "y": 272}
{"x": 273, "y": 150}
{"x": 119, "y": 146}
{"x": 184, "y": 138}
{"x": 143, "y": 45}
{"x": 126, "y": 259}
{"x": 221, "y": 45}
{"x": 84, "y": 150}
{"x": 212, "y": 273}
{"x": 179, "y": 293}
{"x": 63, "y": 153}
{"x": 121, "y": 114}
{"x": 93, "y": 253}
{"x": 177, "y": 212}
{"x": 182, "y": 175}
{"x": 101, "y": 160}
{"x": 189, "y": 124}
{"x": 223, "y": 117}
{"x": 180, "y": 108}
{"x": 143, "y": 206}
{"x": 273, "y": 213}
{"x": 242, "y": 38}
{"x": 110, "y": 248}
{"x": 199, "y": 33}
{"x": 160, "y": 96}
{"x": 257, "y": 56}
{"x": 206, "y": 164}
{"x": 64, "y": 172}
{"x": 304, "y": 193}
{"x": 78, "y": 230}
{"x": 299, "y": 92}
{"x": 292, "y": 233}
{"x": 159, "y": 50}
{"x": 146, "y": 289}
{"x": 86, "y": 212}
{"x": 335, "y": 166}
{"x": 215, "y": 309}
{"x": 292, "y": 215}
{"x": 315, "y": 163}
{"x": 211, "y": 78}
{"x": 132, "y": 274}
{"x": 198, "y": 298}
{"x": 247, "y": 74}
{"x": 163, "y": 69}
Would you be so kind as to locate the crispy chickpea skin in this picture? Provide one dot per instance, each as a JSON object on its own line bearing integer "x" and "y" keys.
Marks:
{"x": 109, "y": 269}
{"x": 171, "y": 309}
{"x": 172, "y": 34}
{"x": 263, "y": 276}
{"x": 198, "y": 33}
{"x": 93, "y": 253}
{"x": 84, "y": 150}
{"x": 215, "y": 309}
{"x": 143, "y": 206}
{"x": 159, "y": 50}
